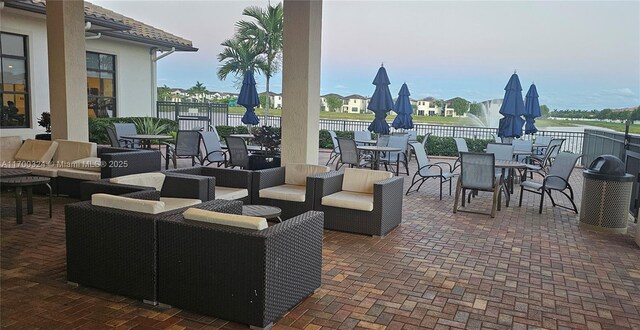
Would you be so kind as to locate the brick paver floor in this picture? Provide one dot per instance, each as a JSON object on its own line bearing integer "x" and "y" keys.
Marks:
{"x": 437, "y": 270}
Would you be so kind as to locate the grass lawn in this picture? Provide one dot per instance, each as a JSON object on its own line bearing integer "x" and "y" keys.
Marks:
{"x": 542, "y": 123}
{"x": 454, "y": 121}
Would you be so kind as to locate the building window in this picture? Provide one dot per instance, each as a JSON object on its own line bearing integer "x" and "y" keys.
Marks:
{"x": 14, "y": 87}
{"x": 101, "y": 84}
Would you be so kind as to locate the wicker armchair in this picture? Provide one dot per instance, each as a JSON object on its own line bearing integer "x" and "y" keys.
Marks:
{"x": 116, "y": 250}
{"x": 293, "y": 193}
{"x": 229, "y": 183}
{"x": 248, "y": 276}
{"x": 385, "y": 213}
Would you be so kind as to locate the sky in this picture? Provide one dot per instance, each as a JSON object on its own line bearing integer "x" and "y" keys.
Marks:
{"x": 580, "y": 54}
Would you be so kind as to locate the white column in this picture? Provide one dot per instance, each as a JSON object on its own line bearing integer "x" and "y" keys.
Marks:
{"x": 67, "y": 70}
{"x": 301, "y": 81}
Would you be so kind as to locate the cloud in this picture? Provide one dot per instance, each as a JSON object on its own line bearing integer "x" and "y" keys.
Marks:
{"x": 625, "y": 93}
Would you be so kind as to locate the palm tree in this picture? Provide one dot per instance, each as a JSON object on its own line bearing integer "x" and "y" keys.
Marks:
{"x": 266, "y": 33}
{"x": 199, "y": 90}
{"x": 238, "y": 57}
{"x": 164, "y": 93}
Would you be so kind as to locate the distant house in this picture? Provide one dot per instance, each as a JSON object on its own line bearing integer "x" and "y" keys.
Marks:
{"x": 323, "y": 101}
{"x": 178, "y": 95}
{"x": 427, "y": 107}
{"x": 355, "y": 104}
{"x": 275, "y": 100}
{"x": 120, "y": 62}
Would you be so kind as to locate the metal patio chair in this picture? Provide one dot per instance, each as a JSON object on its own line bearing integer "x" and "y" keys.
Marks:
{"x": 557, "y": 179}
{"x": 397, "y": 157}
{"x": 123, "y": 129}
{"x": 113, "y": 139}
{"x": 427, "y": 170}
{"x": 478, "y": 173}
{"x": 542, "y": 164}
{"x": 238, "y": 153}
{"x": 335, "y": 152}
{"x": 187, "y": 146}
{"x": 461, "y": 146}
{"x": 213, "y": 152}
{"x": 349, "y": 154}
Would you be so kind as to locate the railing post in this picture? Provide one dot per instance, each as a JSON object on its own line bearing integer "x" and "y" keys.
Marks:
{"x": 177, "y": 111}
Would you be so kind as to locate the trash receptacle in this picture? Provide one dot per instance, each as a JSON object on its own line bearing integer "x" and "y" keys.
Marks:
{"x": 606, "y": 195}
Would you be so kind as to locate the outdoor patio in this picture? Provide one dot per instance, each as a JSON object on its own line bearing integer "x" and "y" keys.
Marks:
{"x": 436, "y": 270}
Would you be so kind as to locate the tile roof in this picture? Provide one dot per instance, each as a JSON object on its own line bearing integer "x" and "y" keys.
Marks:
{"x": 120, "y": 26}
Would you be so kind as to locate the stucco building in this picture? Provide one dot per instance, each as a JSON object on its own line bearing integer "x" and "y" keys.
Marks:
{"x": 121, "y": 55}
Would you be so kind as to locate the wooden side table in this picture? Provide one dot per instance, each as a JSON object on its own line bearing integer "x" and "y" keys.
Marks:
{"x": 27, "y": 182}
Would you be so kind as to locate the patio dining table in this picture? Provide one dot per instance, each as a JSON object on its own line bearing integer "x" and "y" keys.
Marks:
{"x": 508, "y": 166}
{"x": 376, "y": 150}
{"x": 145, "y": 139}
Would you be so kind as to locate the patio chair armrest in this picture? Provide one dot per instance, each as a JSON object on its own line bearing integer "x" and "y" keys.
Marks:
{"x": 222, "y": 152}
{"x": 268, "y": 177}
{"x": 546, "y": 178}
{"x": 444, "y": 163}
{"x": 88, "y": 188}
{"x": 221, "y": 205}
{"x": 326, "y": 184}
{"x": 229, "y": 177}
{"x": 189, "y": 186}
{"x": 388, "y": 191}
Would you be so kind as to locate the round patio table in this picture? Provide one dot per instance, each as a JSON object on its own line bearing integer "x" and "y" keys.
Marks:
{"x": 376, "y": 153}
{"x": 263, "y": 211}
{"x": 27, "y": 182}
{"x": 10, "y": 172}
{"x": 145, "y": 139}
{"x": 507, "y": 182}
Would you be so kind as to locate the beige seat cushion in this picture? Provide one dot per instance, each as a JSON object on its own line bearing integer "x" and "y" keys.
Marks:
{"x": 86, "y": 164}
{"x": 285, "y": 192}
{"x": 69, "y": 151}
{"x": 172, "y": 203}
{"x": 155, "y": 180}
{"x": 296, "y": 174}
{"x": 9, "y": 146}
{"x": 359, "y": 180}
{"x": 227, "y": 219}
{"x": 229, "y": 193}
{"x": 37, "y": 151}
{"x": 349, "y": 200}
{"x": 78, "y": 174}
{"x": 48, "y": 171}
{"x": 126, "y": 203}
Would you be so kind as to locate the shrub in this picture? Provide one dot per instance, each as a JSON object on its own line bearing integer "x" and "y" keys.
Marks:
{"x": 325, "y": 139}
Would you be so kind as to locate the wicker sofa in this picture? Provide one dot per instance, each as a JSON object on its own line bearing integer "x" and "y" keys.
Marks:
{"x": 248, "y": 276}
{"x": 359, "y": 201}
{"x": 290, "y": 187}
{"x": 175, "y": 188}
{"x": 68, "y": 163}
{"x": 230, "y": 184}
{"x": 115, "y": 250}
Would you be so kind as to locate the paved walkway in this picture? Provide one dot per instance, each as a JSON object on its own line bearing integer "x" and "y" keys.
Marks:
{"x": 436, "y": 270}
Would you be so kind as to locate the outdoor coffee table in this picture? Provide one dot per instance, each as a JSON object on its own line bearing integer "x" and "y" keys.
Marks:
{"x": 11, "y": 172}
{"x": 28, "y": 182}
{"x": 263, "y": 211}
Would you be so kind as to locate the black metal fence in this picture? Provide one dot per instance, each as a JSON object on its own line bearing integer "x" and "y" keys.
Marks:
{"x": 573, "y": 140}
{"x": 194, "y": 115}
{"x": 625, "y": 147}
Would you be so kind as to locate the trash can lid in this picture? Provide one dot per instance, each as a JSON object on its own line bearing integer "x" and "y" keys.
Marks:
{"x": 609, "y": 165}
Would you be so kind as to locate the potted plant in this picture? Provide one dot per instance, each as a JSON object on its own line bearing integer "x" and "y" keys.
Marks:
{"x": 44, "y": 121}
{"x": 269, "y": 139}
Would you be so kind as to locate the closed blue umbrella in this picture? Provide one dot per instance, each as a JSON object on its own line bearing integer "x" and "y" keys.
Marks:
{"x": 403, "y": 109}
{"x": 512, "y": 109}
{"x": 248, "y": 98}
{"x": 381, "y": 102}
{"x": 532, "y": 110}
